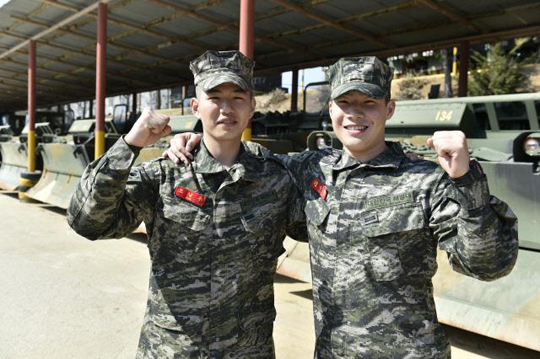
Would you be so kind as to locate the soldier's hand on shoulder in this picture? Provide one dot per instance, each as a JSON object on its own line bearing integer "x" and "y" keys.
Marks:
{"x": 181, "y": 146}
{"x": 149, "y": 128}
{"x": 452, "y": 151}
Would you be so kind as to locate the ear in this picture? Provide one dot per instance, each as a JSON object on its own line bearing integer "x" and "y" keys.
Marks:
{"x": 194, "y": 103}
{"x": 330, "y": 105}
{"x": 390, "y": 109}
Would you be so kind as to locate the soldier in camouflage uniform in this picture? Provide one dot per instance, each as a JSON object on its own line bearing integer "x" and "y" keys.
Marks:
{"x": 376, "y": 217}
{"x": 215, "y": 228}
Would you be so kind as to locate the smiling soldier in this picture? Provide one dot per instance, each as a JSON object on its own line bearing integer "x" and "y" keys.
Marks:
{"x": 215, "y": 228}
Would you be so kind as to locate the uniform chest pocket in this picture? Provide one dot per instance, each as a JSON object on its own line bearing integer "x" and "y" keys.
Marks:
{"x": 316, "y": 212}
{"x": 186, "y": 215}
{"x": 389, "y": 231}
{"x": 261, "y": 213}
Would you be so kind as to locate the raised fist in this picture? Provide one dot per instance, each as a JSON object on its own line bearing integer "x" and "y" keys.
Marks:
{"x": 452, "y": 151}
{"x": 149, "y": 128}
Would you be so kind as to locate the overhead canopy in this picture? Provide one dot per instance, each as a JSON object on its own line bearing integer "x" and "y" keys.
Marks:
{"x": 150, "y": 42}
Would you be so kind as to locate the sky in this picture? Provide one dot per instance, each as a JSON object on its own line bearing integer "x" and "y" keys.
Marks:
{"x": 3, "y": 2}
{"x": 314, "y": 74}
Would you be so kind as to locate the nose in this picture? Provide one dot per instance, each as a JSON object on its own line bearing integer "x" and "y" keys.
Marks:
{"x": 226, "y": 107}
{"x": 356, "y": 112}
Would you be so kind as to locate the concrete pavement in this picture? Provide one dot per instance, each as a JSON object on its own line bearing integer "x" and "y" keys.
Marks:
{"x": 62, "y": 296}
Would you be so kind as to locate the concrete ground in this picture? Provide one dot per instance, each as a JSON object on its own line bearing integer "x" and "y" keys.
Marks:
{"x": 62, "y": 296}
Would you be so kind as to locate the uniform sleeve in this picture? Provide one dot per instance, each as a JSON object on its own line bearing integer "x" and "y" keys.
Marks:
{"x": 478, "y": 231}
{"x": 294, "y": 163}
{"x": 296, "y": 226}
{"x": 112, "y": 198}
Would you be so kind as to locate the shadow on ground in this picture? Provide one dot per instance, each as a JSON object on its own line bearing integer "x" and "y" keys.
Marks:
{"x": 278, "y": 278}
{"x": 138, "y": 237}
{"x": 485, "y": 346}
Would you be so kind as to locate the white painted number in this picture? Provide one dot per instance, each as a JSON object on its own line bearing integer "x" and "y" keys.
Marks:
{"x": 443, "y": 116}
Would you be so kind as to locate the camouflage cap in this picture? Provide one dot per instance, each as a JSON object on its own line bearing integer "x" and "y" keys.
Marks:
{"x": 214, "y": 68}
{"x": 366, "y": 74}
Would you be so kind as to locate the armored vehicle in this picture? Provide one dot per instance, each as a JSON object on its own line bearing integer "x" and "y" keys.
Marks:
{"x": 64, "y": 158}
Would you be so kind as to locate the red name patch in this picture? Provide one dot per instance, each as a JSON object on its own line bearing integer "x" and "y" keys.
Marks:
{"x": 190, "y": 196}
{"x": 319, "y": 187}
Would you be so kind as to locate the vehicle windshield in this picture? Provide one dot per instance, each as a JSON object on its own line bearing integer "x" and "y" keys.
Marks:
{"x": 316, "y": 97}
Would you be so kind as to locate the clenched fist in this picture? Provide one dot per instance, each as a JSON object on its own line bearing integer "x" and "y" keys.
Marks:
{"x": 452, "y": 151}
{"x": 149, "y": 128}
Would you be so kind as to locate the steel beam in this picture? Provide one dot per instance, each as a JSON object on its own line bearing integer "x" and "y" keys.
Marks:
{"x": 391, "y": 9}
{"x": 131, "y": 49}
{"x": 53, "y": 28}
{"x": 221, "y": 25}
{"x": 435, "y": 45}
{"x": 331, "y": 22}
{"x": 137, "y": 28}
{"x": 446, "y": 11}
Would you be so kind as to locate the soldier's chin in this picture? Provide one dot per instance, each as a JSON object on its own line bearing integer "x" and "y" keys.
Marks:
{"x": 348, "y": 139}
{"x": 354, "y": 144}
{"x": 229, "y": 135}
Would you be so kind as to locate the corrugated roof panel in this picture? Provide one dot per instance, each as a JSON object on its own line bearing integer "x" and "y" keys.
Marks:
{"x": 175, "y": 51}
{"x": 140, "y": 11}
{"x": 343, "y": 8}
{"x": 225, "y": 11}
{"x": 412, "y": 38}
{"x": 295, "y": 20}
{"x": 50, "y": 15}
{"x": 513, "y": 19}
{"x": 219, "y": 40}
{"x": 21, "y": 6}
{"x": 284, "y": 37}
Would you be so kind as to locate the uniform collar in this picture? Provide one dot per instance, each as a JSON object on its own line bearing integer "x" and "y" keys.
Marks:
{"x": 391, "y": 157}
{"x": 247, "y": 165}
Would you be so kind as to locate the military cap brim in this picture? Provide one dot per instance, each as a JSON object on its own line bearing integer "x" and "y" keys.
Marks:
{"x": 223, "y": 78}
{"x": 371, "y": 90}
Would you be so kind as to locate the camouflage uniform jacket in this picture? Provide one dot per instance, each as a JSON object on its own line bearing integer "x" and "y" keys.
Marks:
{"x": 374, "y": 229}
{"x": 213, "y": 257}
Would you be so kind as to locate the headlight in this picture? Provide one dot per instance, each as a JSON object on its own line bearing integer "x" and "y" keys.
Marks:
{"x": 531, "y": 146}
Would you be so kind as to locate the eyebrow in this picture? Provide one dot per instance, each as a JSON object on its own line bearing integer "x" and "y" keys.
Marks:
{"x": 236, "y": 90}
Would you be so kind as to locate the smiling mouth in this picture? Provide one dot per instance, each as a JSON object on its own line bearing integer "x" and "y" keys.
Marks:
{"x": 356, "y": 128}
{"x": 226, "y": 122}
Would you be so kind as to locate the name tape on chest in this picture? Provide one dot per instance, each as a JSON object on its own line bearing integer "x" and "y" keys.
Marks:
{"x": 190, "y": 196}
{"x": 386, "y": 201}
{"x": 319, "y": 187}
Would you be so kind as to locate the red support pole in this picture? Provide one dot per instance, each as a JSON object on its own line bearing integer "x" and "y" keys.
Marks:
{"x": 101, "y": 55}
{"x": 247, "y": 28}
{"x": 31, "y": 106}
{"x": 247, "y": 36}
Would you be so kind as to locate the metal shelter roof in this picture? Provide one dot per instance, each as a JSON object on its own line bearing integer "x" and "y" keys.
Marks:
{"x": 150, "y": 42}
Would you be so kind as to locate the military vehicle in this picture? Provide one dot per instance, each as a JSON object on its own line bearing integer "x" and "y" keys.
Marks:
{"x": 64, "y": 158}
{"x": 284, "y": 132}
{"x": 13, "y": 153}
{"x": 503, "y": 133}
